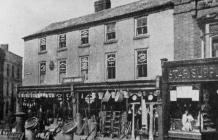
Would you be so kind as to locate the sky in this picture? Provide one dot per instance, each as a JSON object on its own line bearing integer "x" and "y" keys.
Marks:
{"x": 19, "y": 18}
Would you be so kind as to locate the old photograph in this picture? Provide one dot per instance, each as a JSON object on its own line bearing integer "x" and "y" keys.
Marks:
{"x": 109, "y": 70}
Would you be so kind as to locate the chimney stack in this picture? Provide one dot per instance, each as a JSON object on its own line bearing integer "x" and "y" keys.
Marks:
{"x": 4, "y": 47}
{"x": 102, "y": 5}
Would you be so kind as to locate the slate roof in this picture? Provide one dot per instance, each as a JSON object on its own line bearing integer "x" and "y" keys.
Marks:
{"x": 102, "y": 15}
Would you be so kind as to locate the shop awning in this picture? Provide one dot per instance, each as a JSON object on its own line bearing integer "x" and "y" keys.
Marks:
{"x": 48, "y": 91}
{"x": 122, "y": 85}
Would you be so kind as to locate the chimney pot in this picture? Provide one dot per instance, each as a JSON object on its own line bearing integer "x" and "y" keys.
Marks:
{"x": 4, "y": 47}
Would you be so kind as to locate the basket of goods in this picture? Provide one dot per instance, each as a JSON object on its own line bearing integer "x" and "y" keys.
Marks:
{"x": 69, "y": 128}
{"x": 31, "y": 123}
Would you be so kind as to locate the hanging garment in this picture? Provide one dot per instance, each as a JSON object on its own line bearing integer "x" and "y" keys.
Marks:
{"x": 126, "y": 94}
{"x": 100, "y": 95}
{"x": 119, "y": 96}
{"x": 107, "y": 96}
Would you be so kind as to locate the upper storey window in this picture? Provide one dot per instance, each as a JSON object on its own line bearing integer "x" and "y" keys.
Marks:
{"x": 62, "y": 41}
{"x": 141, "y": 26}
{"x": 214, "y": 45}
{"x": 62, "y": 70}
{"x": 42, "y": 44}
{"x": 141, "y": 64}
{"x": 110, "y": 31}
{"x": 111, "y": 65}
{"x": 42, "y": 72}
{"x": 84, "y": 66}
{"x": 213, "y": 30}
{"x": 84, "y": 36}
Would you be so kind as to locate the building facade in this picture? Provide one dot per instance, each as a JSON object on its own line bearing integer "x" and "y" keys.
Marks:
{"x": 94, "y": 42}
{"x": 11, "y": 78}
{"x": 189, "y": 84}
{"x": 114, "y": 51}
{"x": 195, "y": 29}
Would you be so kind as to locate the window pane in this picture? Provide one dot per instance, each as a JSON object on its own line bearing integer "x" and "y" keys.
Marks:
{"x": 142, "y": 57}
{"x": 141, "y": 21}
{"x": 42, "y": 78}
{"x": 111, "y": 72}
{"x": 84, "y": 67}
{"x": 84, "y": 74}
{"x": 215, "y": 46}
{"x": 42, "y": 44}
{"x": 61, "y": 76}
{"x": 141, "y": 26}
{"x": 111, "y": 27}
{"x": 142, "y": 63}
{"x": 62, "y": 67}
{"x": 84, "y": 36}
{"x": 111, "y": 66}
{"x": 84, "y": 63}
{"x": 84, "y": 41}
{"x": 111, "y": 36}
{"x": 42, "y": 68}
{"x": 142, "y": 70}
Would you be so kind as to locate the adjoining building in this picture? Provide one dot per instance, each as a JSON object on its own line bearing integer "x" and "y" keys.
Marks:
{"x": 105, "y": 62}
{"x": 189, "y": 84}
{"x": 10, "y": 79}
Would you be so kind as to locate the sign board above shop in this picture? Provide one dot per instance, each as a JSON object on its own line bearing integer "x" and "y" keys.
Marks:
{"x": 73, "y": 80}
{"x": 193, "y": 73}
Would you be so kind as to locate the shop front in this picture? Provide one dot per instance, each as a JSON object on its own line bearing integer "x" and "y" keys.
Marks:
{"x": 190, "y": 99}
{"x": 117, "y": 110}
{"x": 121, "y": 110}
{"x": 49, "y": 102}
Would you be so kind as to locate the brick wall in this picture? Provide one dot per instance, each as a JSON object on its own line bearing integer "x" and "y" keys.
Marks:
{"x": 188, "y": 30}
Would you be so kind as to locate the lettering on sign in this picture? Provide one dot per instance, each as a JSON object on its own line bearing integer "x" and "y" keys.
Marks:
{"x": 193, "y": 73}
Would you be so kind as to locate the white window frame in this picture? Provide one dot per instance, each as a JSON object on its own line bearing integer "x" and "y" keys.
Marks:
{"x": 59, "y": 41}
{"x": 136, "y": 20}
{"x": 106, "y": 65}
{"x": 40, "y": 71}
{"x": 81, "y": 37}
{"x": 136, "y": 62}
{"x": 40, "y": 50}
{"x": 59, "y": 80}
{"x": 85, "y": 78}
{"x": 106, "y": 31}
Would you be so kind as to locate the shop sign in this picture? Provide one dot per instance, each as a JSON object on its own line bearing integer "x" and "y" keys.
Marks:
{"x": 73, "y": 80}
{"x": 193, "y": 73}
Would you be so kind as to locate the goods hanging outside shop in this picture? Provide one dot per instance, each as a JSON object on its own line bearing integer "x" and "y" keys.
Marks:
{"x": 128, "y": 109}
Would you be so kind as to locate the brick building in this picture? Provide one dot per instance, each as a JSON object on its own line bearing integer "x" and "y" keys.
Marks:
{"x": 195, "y": 28}
{"x": 114, "y": 50}
{"x": 189, "y": 84}
{"x": 10, "y": 79}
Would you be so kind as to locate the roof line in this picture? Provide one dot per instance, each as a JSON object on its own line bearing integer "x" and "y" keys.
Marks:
{"x": 41, "y": 33}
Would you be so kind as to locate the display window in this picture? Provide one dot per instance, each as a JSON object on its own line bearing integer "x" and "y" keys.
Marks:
{"x": 113, "y": 111}
{"x": 193, "y": 108}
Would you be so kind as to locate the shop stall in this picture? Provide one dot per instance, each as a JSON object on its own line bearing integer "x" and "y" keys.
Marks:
{"x": 46, "y": 102}
{"x": 190, "y": 98}
{"x": 127, "y": 109}
{"x": 108, "y": 110}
